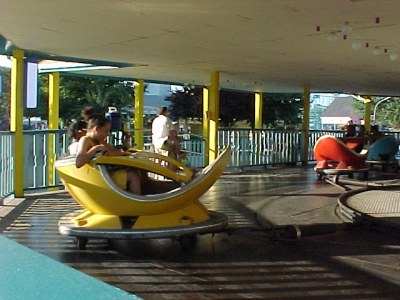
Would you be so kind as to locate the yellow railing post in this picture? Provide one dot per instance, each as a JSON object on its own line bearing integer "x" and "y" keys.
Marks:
{"x": 306, "y": 124}
{"x": 206, "y": 128}
{"x": 16, "y": 119}
{"x": 139, "y": 103}
{"x": 54, "y": 104}
{"x": 213, "y": 116}
{"x": 367, "y": 114}
{"x": 258, "y": 110}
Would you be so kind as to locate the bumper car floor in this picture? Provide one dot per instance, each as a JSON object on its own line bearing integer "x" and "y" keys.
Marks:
{"x": 244, "y": 263}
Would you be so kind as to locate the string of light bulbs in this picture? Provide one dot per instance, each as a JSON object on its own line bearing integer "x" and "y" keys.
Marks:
{"x": 345, "y": 33}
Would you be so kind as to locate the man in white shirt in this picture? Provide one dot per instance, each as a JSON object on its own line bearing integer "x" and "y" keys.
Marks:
{"x": 160, "y": 130}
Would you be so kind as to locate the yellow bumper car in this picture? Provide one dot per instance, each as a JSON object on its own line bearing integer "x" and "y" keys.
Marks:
{"x": 168, "y": 208}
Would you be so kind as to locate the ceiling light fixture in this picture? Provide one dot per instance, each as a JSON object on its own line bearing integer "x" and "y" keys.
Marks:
{"x": 346, "y": 28}
{"x": 356, "y": 45}
{"x": 393, "y": 56}
{"x": 332, "y": 36}
{"x": 377, "y": 51}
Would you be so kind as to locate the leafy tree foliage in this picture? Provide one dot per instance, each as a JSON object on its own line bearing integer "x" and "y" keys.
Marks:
{"x": 282, "y": 107}
{"x": 387, "y": 113}
{"x": 77, "y": 92}
{"x": 238, "y": 106}
{"x": 186, "y": 103}
{"x": 5, "y": 98}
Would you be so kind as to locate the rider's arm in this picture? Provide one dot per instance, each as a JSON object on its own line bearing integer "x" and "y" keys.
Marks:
{"x": 86, "y": 151}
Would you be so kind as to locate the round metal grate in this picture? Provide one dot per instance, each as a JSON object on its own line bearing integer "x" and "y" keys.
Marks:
{"x": 377, "y": 203}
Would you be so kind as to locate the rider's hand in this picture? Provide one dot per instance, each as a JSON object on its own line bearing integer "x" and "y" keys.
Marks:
{"x": 100, "y": 148}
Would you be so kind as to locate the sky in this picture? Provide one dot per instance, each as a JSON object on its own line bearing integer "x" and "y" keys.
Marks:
{"x": 5, "y": 61}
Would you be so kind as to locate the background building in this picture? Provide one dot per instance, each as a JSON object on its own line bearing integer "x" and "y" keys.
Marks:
{"x": 339, "y": 113}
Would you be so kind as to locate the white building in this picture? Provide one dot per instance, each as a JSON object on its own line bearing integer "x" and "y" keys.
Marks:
{"x": 339, "y": 113}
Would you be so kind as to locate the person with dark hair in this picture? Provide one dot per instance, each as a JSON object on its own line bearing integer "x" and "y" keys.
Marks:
{"x": 76, "y": 131}
{"x": 95, "y": 142}
{"x": 87, "y": 113}
{"x": 350, "y": 130}
{"x": 375, "y": 134}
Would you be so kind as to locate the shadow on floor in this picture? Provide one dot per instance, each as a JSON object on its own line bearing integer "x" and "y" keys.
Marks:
{"x": 244, "y": 264}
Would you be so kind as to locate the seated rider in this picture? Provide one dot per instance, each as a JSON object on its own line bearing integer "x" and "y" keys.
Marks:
{"x": 76, "y": 131}
{"x": 172, "y": 145}
{"x": 95, "y": 142}
{"x": 375, "y": 134}
{"x": 350, "y": 130}
{"x": 351, "y": 139}
{"x": 87, "y": 112}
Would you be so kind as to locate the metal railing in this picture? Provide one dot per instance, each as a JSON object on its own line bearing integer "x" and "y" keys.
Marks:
{"x": 193, "y": 146}
{"x": 36, "y": 151}
{"x": 252, "y": 147}
{"x": 314, "y": 135}
{"x": 6, "y": 163}
{"x": 249, "y": 148}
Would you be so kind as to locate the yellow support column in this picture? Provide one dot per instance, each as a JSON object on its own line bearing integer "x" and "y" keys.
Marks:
{"x": 213, "y": 106}
{"x": 306, "y": 124}
{"x": 54, "y": 104}
{"x": 16, "y": 119}
{"x": 258, "y": 110}
{"x": 139, "y": 103}
{"x": 206, "y": 127}
{"x": 367, "y": 114}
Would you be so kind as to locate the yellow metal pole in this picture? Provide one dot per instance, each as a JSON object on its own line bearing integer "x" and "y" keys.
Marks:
{"x": 306, "y": 124}
{"x": 367, "y": 114}
{"x": 16, "y": 119}
{"x": 54, "y": 104}
{"x": 213, "y": 116}
{"x": 206, "y": 127}
{"x": 139, "y": 103}
{"x": 258, "y": 110}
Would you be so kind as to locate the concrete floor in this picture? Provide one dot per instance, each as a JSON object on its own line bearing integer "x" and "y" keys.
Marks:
{"x": 355, "y": 263}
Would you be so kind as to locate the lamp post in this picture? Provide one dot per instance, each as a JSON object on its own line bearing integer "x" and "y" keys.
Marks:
{"x": 376, "y": 106}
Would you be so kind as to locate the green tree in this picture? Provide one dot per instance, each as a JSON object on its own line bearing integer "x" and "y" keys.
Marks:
{"x": 77, "y": 92}
{"x": 186, "y": 103}
{"x": 387, "y": 113}
{"x": 238, "y": 106}
{"x": 283, "y": 107}
{"x": 5, "y": 98}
